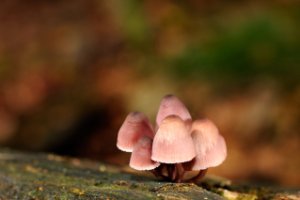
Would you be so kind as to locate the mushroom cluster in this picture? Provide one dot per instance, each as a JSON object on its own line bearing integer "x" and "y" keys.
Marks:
{"x": 176, "y": 144}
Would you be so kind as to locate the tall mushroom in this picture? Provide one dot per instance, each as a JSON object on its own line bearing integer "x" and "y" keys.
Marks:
{"x": 171, "y": 105}
{"x": 172, "y": 142}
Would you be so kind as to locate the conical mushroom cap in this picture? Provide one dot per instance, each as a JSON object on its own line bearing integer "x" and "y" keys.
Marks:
{"x": 171, "y": 105}
{"x": 209, "y": 144}
{"x": 134, "y": 127}
{"x": 172, "y": 142}
{"x": 141, "y": 155}
{"x": 212, "y": 157}
{"x": 208, "y": 133}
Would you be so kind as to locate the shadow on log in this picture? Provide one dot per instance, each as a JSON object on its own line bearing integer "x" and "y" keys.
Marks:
{"x": 47, "y": 176}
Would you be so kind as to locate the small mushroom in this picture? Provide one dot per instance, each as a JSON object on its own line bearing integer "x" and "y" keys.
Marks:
{"x": 179, "y": 144}
{"x": 141, "y": 155}
{"x": 171, "y": 105}
{"x": 209, "y": 144}
{"x": 134, "y": 127}
{"x": 172, "y": 142}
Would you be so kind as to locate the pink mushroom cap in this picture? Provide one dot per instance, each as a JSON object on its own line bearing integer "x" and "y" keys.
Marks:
{"x": 172, "y": 142}
{"x": 133, "y": 128}
{"x": 141, "y": 155}
{"x": 209, "y": 144}
{"x": 171, "y": 105}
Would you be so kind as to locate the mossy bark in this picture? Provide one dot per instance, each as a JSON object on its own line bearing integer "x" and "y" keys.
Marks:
{"x": 47, "y": 176}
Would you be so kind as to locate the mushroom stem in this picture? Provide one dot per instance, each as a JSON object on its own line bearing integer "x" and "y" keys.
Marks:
{"x": 161, "y": 172}
{"x": 179, "y": 172}
{"x": 174, "y": 172}
{"x": 170, "y": 171}
{"x": 199, "y": 176}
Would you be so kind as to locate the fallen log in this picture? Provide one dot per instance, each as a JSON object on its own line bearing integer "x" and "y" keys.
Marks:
{"x": 48, "y": 176}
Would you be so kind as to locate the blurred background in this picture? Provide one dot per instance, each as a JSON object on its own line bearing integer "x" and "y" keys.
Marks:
{"x": 70, "y": 71}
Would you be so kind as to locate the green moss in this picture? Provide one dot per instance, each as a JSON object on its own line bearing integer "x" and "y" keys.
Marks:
{"x": 30, "y": 176}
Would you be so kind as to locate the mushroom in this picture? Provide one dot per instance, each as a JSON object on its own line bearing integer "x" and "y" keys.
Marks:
{"x": 141, "y": 155}
{"x": 172, "y": 142}
{"x": 133, "y": 128}
{"x": 179, "y": 144}
{"x": 171, "y": 105}
{"x": 209, "y": 144}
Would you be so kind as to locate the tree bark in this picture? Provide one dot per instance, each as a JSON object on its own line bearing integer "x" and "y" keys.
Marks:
{"x": 47, "y": 176}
